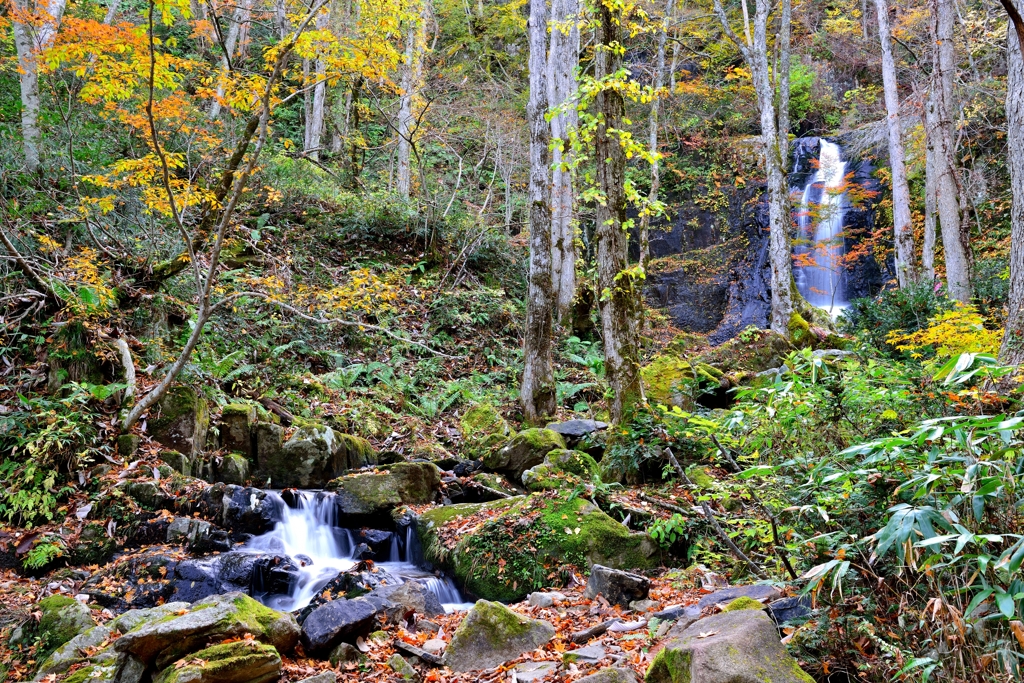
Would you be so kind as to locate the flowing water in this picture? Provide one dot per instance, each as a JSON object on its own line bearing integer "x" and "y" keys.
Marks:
{"x": 309, "y": 534}
{"x": 820, "y": 247}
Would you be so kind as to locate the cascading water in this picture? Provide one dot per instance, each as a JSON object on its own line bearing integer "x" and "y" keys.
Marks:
{"x": 308, "y": 533}
{"x": 821, "y": 245}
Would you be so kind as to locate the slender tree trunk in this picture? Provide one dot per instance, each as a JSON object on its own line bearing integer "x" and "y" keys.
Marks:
{"x": 412, "y": 73}
{"x": 1012, "y": 350}
{"x": 903, "y": 234}
{"x": 955, "y": 242}
{"x": 618, "y": 293}
{"x": 652, "y": 135}
{"x": 538, "y": 389}
{"x": 782, "y": 76}
{"x": 562, "y": 63}
{"x": 930, "y": 218}
{"x": 29, "y": 41}
{"x": 239, "y": 18}
{"x": 315, "y": 122}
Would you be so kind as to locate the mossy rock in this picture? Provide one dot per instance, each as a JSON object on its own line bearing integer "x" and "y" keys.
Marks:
{"x": 483, "y": 429}
{"x": 494, "y": 481}
{"x": 233, "y": 469}
{"x": 62, "y": 618}
{"x": 750, "y": 352}
{"x": 673, "y": 381}
{"x": 800, "y": 332}
{"x": 94, "y": 546}
{"x": 181, "y": 463}
{"x": 128, "y": 445}
{"x": 372, "y": 493}
{"x": 492, "y": 634}
{"x": 236, "y": 428}
{"x": 698, "y": 474}
{"x": 526, "y": 449}
{"x": 742, "y": 602}
{"x": 522, "y": 542}
{"x": 356, "y": 451}
{"x": 181, "y": 420}
{"x": 237, "y": 662}
{"x": 560, "y": 469}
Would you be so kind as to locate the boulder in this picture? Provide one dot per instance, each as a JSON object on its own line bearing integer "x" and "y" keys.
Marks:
{"x": 148, "y": 495}
{"x": 355, "y": 452}
{"x": 790, "y": 609}
{"x": 128, "y": 445}
{"x": 61, "y": 619}
{"x": 322, "y": 677}
{"x": 611, "y": 675}
{"x": 374, "y": 494}
{"x": 483, "y": 428}
{"x": 492, "y": 634}
{"x": 238, "y": 662}
{"x": 527, "y": 672}
{"x": 573, "y": 430}
{"x": 181, "y": 420}
{"x": 617, "y": 587}
{"x": 233, "y": 469}
{"x": 733, "y": 647}
{"x": 139, "y": 581}
{"x": 343, "y": 653}
{"x": 517, "y": 541}
{"x": 561, "y": 468}
{"x": 179, "y": 462}
{"x": 337, "y": 621}
{"x": 73, "y": 651}
{"x": 216, "y": 618}
{"x": 94, "y": 545}
{"x": 236, "y": 429}
{"x": 591, "y": 654}
{"x": 199, "y": 535}
{"x": 402, "y": 668}
{"x": 108, "y": 666}
{"x": 410, "y": 597}
{"x": 137, "y": 617}
{"x": 243, "y": 511}
{"x": 759, "y": 591}
{"x": 526, "y": 449}
{"x": 269, "y": 439}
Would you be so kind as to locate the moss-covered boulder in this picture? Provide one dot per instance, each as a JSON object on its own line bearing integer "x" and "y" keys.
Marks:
{"x": 236, "y": 428}
{"x": 526, "y": 449}
{"x": 238, "y": 662}
{"x": 674, "y": 381}
{"x": 734, "y": 647}
{"x": 313, "y": 456}
{"x": 375, "y": 493}
{"x": 512, "y": 547}
{"x": 179, "y": 462}
{"x": 217, "y": 618}
{"x": 750, "y": 352}
{"x": 560, "y": 469}
{"x": 73, "y": 651}
{"x": 494, "y": 481}
{"x": 492, "y": 634}
{"x": 61, "y": 619}
{"x": 181, "y": 420}
{"x": 233, "y": 468}
{"x": 483, "y": 428}
{"x": 355, "y": 452}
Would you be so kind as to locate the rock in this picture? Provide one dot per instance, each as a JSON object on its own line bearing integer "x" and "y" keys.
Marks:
{"x": 269, "y": 439}
{"x": 617, "y": 587}
{"x": 527, "y": 672}
{"x": 410, "y": 597}
{"x": 427, "y": 626}
{"x": 525, "y": 450}
{"x": 529, "y": 533}
{"x": 109, "y": 667}
{"x": 61, "y": 620}
{"x": 322, "y": 677}
{"x": 233, "y": 469}
{"x": 72, "y": 652}
{"x": 137, "y": 617}
{"x": 180, "y": 420}
{"x": 216, "y": 618}
{"x": 492, "y": 634}
{"x": 149, "y": 495}
{"x": 140, "y": 580}
{"x": 370, "y": 494}
{"x": 591, "y": 654}
{"x": 577, "y": 429}
{"x": 611, "y": 675}
{"x": 402, "y": 668}
{"x": 742, "y": 602}
{"x": 355, "y": 452}
{"x": 307, "y": 460}
{"x": 344, "y": 652}
{"x": 180, "y": 463}
{"x": 94, "y": 546}
{"x": 643, "y": 605}
{"x": 338, "y": 620}
{"x": 198, "y": 535}
{"x": 733, "y": 647}
{"x": 674, "y": 381}
{"x": 541, "y": 600}
{"x": 434, "y": 646}
{"x": 247, "y": 510}
{"x": 790, "y": 609}
{"x": 237, "y": 662}
{"x": 759, "y": 591}
{"x": 561, "y": 468}
{"x": 236, "y": 429}
{"x": 483, "y": 428}
{"x": 831, "y": 353}
{"x": 128, "y": 445}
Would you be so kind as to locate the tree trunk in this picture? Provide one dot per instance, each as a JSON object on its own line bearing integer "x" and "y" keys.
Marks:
{"x": 652, "y": 133}
{"x": 315, "y": 122}
{"x": 955, "y": 242}
{"x": 618, "y": 294}
{"x": 1012, "y": 351}
{"x": 930, "y": 221}
{"x": 538, "y": 389}
{"x": 562, "y": 63}
{"x": 239, "y": 18}
{"x": 29, "y": 41}
{"x": 782, "y": 76}
{"x": 903, "y": 235}
{"x": 412, "y": 73}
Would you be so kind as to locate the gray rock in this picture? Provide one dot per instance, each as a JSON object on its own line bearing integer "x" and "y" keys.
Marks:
{"x": 492, "y": 634}
{"x": 216, "y": 618}
{"x": 689, "y": 613}
{"x": 345, "y": 652}
{"x": 180, "y": 420}
{"x": 134, "y": 618}
{"x": 759, "y": 591}
{"x": 591, "y": 654}
{"x": 831, "y": 353}
{"x": 71, "y": 652}
{"x": 790, "y": 609}
{"x": 322, "y": 677}
{"x": 403, "y": 668}
{"x": 575, "y": 429}
{"x": 617, "y": 587}
{"x": 181, "y": 463}
{"x": 240, "y": 661}
{"x": 198, "y": 535}
{"x": 541, "y": 600}
{"x": 643, "y": 605}
{"x": 427, "y": 626}
{"x": 62, "y": 619}
{"x": 233, "y": 469}
{"x": 409, "y": 597}
{"x": 525, "y": 450}
{"x": 611, "y": 675}
{"x": 149, "y": 495}
{"x": 527, "y": 672}
{"x": 339, "y": 620}
{"x": 247, "y": 510}
{"x": 732, "y": 647}
{"x": 236, "y": 428}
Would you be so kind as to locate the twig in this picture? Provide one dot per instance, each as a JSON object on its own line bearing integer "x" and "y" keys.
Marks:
{"x": 427, "y": 657}
{"x": 26, "y": 268}
{"x": 714, "y": 522}
{"x": 129, "y": 368}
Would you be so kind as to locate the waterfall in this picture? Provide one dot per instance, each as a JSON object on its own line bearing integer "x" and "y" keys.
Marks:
{"x": 821, "y": 246}
{"x": 309, "y": 535}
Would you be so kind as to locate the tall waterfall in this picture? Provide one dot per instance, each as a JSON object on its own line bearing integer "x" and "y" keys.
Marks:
{"x": 309, "y": 534}
{"x": 820, "y": 244}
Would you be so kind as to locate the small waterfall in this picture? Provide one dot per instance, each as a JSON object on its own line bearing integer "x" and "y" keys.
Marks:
{"x": 308, "y": 533}
{"x": 821, "y": 245}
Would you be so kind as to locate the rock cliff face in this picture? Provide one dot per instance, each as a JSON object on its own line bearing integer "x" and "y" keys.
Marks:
{"x": 711, "y": 273}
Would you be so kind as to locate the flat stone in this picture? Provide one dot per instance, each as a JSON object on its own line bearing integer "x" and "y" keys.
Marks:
{"x": 540, "y": 600}
{"x": 617, "y": 587}
{"x": 789, "y": 609}
{"x": 136, "y": 617}
{"x": 759, "y": 591}
{"x": 434, "y": 646}
{"x": 575, "y": 429}
{"x": 72, "y": 652}
{"x": 643, "y": 605}
{"x": 322, "y": 677}
{"x": 591, "y": 654}
{"x": 492, "y": 634}
{"x": 235, "y": 662}
{"x": 339, "y": 620}
{"x": 610, "y": 675}
{"x": 402, "y": 668}
{"x": 427, "y": 626}
{"x": 527, "y": 672}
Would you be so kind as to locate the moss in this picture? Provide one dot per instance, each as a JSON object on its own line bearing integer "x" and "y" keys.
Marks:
{"x": 800, "y": 332}
{"x": 526, "y": 449}
{"x": 62, "y": 618}
{"x": 244, "y": 410}
{"x": 499, "y": 624}
{"x": 669, "y": 666}
{"x": 237, "y": 661}
{"x": 665, "y": 380}
{"x": 700, "y": 477}
{"x": 358, "y": 452}
{"x": 482, "y": 421}
{"x": 741, "y": 603}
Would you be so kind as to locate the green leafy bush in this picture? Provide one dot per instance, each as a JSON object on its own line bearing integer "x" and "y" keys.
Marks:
{"x": 907, "y": 310}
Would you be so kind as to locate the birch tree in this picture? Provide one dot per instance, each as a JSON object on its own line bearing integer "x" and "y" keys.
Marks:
{"x": 563, "y": 61}
{"x": 537, "y": 392}
{"x": 318, "y": 105}
{"x": 955, "y": 244}
{"x": 658, "y": 82}
{"x": 35, "y": 29}
{"x": 618, "y": 291}
{"x": 412, "y": 75}
{"x": 1012, "y": 350}
{"x": 903, "y": 235}
{"x": 779, "y": 250}
{"x": 228, "y": 44}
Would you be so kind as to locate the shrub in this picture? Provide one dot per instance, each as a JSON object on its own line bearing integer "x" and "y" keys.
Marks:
{"x": 895, "y": 310}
